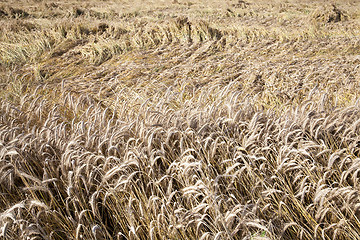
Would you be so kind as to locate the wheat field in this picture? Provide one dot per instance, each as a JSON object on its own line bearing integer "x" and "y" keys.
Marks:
{"x": 179, "y": 119}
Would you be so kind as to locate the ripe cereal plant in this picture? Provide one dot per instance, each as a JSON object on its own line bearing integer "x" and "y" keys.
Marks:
{"x": 179, "y": 119}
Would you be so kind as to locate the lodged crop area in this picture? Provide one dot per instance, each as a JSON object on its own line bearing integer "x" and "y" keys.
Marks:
{"x": 179, "y": 119}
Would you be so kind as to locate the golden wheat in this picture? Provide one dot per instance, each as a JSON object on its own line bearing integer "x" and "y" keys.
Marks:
{"x": 182, "y": 120}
